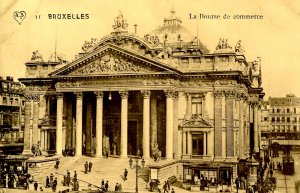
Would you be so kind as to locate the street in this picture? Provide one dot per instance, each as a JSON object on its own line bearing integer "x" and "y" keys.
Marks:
{"x": 286, "y": 183}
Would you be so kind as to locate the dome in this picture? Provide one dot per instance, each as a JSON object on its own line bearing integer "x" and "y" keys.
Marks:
{"x": 172, "y": 31}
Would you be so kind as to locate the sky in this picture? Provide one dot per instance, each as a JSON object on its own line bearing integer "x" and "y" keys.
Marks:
{"x": 275, "y": 38}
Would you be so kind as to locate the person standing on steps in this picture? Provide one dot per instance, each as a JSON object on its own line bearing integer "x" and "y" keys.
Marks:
{"x": 117, "y": 187}
{"x": 106, "y": 186}
{"x": 86, "y": 166}
{"x": 75, "y": 176}
{"x": 90, "y": 166}
{"x": 35, "y": 186}
{"x": 47, "y": 182}
{"x": 125, "y": 174}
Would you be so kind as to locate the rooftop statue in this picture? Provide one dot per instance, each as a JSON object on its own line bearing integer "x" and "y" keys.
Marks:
{"x": 36, "y": 55}
{"x": 89, "y": 44}
{"x": 223, "y": 44}
{"x": 239, "y": 48}
{"x": 120, "y": 22}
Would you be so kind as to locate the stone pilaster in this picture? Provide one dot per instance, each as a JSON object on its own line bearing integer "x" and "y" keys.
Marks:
{"x": 26, "y": 135}
{"x": 218, "y": 124}
{"x": 230, "y": 145}
{"x": 146, "y": 123}
{"x": 176, "y": 143}
{"x": 35, "y": 119}
{"x": 184, "y": 143}
{"x": 169, "y": 123}
{"x": 99, "y": 123}
{"x": 255, "y": 124}
{"x": 188, "y": 114}
{"x": 124, "y": 122}
{"x": 189, "y": 143}
{"x": 153, "y": 117}
{"x": 59, "y": 123}
{"x": 78, "y": 147}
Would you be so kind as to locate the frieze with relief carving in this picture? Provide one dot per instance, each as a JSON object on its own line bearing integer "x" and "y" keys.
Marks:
{"x": 196, "y": 121}
{"x": 110, "y": 63}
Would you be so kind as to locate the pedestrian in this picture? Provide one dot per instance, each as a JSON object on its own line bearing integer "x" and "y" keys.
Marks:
{"x": 106, "y": 186}
{"x": 165, "y": 187}
{"x": 68, "y": 178}
{"x": 35, "y": 186}
{"x": 172, "y": 191}
{"x": 90, "y": 166}
{"x": 57, "y": 164}
{"x": 86, "y": 166}
{"x": 125, "y": 174}
{"x": 75, "y": 176}
{"x": 168, "y": 185}
{"x": 117, "y": 187}
{"x": 51, "y": 180}
{"x": 54, "y": 185}
{"x": 120, "y": 187}
{"x": 271, "y": 173}
{"x": 237, "y": 185}
{"x": 47, "y": 182}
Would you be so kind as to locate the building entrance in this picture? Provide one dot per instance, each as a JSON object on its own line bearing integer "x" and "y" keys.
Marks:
{"x": 132, "y": 141}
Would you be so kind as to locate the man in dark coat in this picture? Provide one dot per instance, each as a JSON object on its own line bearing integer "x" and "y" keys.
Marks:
{"x": 125, "y": 174}
{"x": 117, "y": 187}
{"x": 106, "y": 186}
{"x": 86, "y": 166}
{"x": 47, "y": 182}
{"x": 35, "y": 186}
{"x": 90, "y": 166}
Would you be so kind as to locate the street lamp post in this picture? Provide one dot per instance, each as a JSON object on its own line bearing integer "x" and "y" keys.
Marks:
{"x": 136, "y": 167}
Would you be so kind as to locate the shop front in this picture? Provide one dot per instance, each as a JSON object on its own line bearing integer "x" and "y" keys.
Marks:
{"x": 205, "y": 176}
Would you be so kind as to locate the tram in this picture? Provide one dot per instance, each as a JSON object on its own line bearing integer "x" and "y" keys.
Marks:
{"x": 288, "y": 166}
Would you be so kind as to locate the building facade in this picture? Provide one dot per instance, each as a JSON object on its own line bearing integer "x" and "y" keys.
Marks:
{"x": 281, "y": 120}
{"x": 11, "y": 116}
{"x": 126, "y": 94}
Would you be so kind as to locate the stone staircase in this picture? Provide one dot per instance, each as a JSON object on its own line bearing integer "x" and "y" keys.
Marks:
{"x": 110, "y": 169}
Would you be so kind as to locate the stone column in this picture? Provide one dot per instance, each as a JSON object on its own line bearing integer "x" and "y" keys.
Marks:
{"x": 99, "y": 123}
{"x": 88, "y": 127}
{"x": 204, "y": 144}
{"x": 189, "y": 141}
{"x": 78, "y": 146}
{"x": 180, "y": 143}
{"x": 42, "y": 140}
{"x": 230, "y": 95}
{"x": 46, "y": 140}
{"x": 218, "y": 124}
{"x": 255, "y": 123}
{"x": 59, "y": 123}
{"x": 146, "y": 123}
{"x": 26, "y": 134}
{"x": 124, "y": 123}
{"x": 153, "y": 117}
{"x": 210, "y": 143}
{"x": 184, "y": 143}
{"x": 175, "y": 132}
{"x": 35, "y": 119}
{"x": 169, "y": 124}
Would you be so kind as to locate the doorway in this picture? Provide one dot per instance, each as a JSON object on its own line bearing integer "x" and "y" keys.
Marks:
{"x": 197, "y": 144}
{"x": 132, "y": 140}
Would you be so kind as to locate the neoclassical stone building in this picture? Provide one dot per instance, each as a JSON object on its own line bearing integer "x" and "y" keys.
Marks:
{"x": 126, "y": 94}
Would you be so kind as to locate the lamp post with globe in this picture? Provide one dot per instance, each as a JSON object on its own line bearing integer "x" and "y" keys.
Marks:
{"x": 136, "y": 167}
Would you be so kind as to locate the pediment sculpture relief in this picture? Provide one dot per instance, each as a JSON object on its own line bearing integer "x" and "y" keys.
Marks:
{"x": 112, "y": 64}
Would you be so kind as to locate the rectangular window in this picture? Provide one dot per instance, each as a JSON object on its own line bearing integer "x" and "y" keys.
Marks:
{"x": 197, "y": 106}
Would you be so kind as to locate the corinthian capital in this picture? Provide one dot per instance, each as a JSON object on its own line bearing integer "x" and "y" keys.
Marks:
{"x": 28, "y": 97}
{"x": 99, "y": 94}
{"x": 218, "y": 94}
{"x": 36, "y": 98}
{"x": 230, "y": 94}
{"x": 78, "y": 95}
{"x": 59, "y": 95}
{"x": 169, "y": 93}
{"x": 124, "y": 94}
{"x": 146, "y": 93}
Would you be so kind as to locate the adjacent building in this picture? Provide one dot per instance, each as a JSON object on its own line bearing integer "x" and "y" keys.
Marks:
{"x": 281, "y": 120}
{"x": 162, "y": 92}
{"x": 11, "y": 116}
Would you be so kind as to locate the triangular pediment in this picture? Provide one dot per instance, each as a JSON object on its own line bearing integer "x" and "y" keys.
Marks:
{"x": 111, "y": 59}
{"x": 195, "y": 122}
